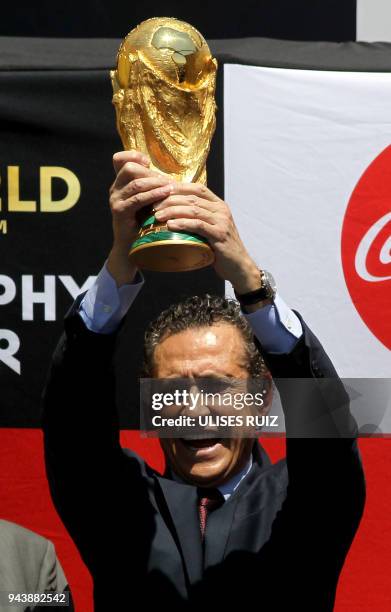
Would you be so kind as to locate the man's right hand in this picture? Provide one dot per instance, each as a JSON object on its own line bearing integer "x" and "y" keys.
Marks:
{"x": 135, "y": 186}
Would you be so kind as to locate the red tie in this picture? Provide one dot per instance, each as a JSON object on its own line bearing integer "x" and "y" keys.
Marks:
{"x": 208, "y": 500}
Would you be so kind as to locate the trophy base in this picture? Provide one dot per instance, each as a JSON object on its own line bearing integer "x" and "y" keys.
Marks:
{"x": 170, "y": 252}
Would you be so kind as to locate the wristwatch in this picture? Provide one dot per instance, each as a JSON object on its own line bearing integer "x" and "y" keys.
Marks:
{"x": 267, "y": 291}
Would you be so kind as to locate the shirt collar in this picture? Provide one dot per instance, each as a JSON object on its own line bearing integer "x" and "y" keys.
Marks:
{"x": 231, "y": 485}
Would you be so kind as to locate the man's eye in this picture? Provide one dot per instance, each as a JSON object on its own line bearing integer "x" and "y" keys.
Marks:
{"x": 219, "y": 384}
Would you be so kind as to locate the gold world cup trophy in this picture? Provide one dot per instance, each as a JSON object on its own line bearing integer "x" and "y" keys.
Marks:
{"x": 164, "y": 97}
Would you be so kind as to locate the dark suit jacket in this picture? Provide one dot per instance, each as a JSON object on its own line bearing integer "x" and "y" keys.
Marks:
{"x": 28, "y": 564}
{"x": 279, "y": 541}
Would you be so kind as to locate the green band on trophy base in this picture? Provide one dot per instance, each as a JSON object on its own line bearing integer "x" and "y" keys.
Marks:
{"x": 151, "y": 220}
{"x": 165, "y": 235}
{"x": 172, "y": 251}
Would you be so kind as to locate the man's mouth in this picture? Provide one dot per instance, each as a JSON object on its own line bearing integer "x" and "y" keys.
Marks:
{"x": 201, "y": 446}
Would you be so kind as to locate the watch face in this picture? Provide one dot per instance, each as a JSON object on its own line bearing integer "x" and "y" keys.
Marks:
{"x": 270, "y": 283}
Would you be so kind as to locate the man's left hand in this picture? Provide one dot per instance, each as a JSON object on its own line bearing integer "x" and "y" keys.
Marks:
{"x": 193, "y": 208}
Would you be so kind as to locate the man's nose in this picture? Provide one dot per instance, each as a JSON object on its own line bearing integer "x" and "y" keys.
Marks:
{"x": 197, "y": 405}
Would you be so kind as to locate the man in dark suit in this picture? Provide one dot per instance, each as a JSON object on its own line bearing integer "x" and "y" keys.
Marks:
{"x": 222, "y": 526}
{"x": 29, "y": 565}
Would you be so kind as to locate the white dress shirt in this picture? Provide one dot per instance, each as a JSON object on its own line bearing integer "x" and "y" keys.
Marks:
{"x": 103, "y": 307}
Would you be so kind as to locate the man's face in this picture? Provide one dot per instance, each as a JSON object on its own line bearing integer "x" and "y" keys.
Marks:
{"x": 215, "y": 351}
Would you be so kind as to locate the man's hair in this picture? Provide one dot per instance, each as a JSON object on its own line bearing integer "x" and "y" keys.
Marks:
{"x": 197, "y": 312}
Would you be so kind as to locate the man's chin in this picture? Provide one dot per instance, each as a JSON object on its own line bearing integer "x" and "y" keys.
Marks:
{"x": 204, "y": 478}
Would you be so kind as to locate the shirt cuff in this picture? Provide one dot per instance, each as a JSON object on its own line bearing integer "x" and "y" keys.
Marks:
{"x": 105, "y": 305}
{"x": 276, "y": 327}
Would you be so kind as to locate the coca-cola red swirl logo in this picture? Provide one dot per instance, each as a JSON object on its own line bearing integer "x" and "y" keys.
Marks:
{"x": 366, "y": 247}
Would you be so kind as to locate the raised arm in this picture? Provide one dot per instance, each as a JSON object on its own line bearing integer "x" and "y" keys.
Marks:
{"x": 85, "y": 464}
{"x": 326, "y": 490}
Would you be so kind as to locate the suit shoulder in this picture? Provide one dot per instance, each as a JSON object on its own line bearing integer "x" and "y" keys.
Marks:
{"x": 139, "y": 463}
{"x": 277, "y": 475}
{"x": 17, "y": 537}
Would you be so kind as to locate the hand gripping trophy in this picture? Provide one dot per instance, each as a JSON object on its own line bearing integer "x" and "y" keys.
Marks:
{"x": 164, "y": 97}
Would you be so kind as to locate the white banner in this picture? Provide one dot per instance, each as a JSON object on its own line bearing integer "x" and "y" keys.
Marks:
{"x": 308, "y": 177}
{"x": 373, "y": 20}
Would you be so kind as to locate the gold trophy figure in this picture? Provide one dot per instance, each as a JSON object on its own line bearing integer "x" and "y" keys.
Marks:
{"x": 164, "y": 97}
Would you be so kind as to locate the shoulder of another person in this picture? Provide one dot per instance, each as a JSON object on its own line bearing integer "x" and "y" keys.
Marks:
{"x": 22, "y": 554}
{"x": 15, "y": 535}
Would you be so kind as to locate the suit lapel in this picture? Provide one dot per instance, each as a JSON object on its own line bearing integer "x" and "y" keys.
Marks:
{"x": 219, "y": 523}
{"x": 181, "y": 501}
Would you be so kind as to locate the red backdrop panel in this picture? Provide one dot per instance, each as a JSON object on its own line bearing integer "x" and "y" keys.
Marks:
{"x": 25, "y": 499}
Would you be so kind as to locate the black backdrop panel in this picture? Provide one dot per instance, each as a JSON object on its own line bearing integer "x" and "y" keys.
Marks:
{"x": 332, "y": 20}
